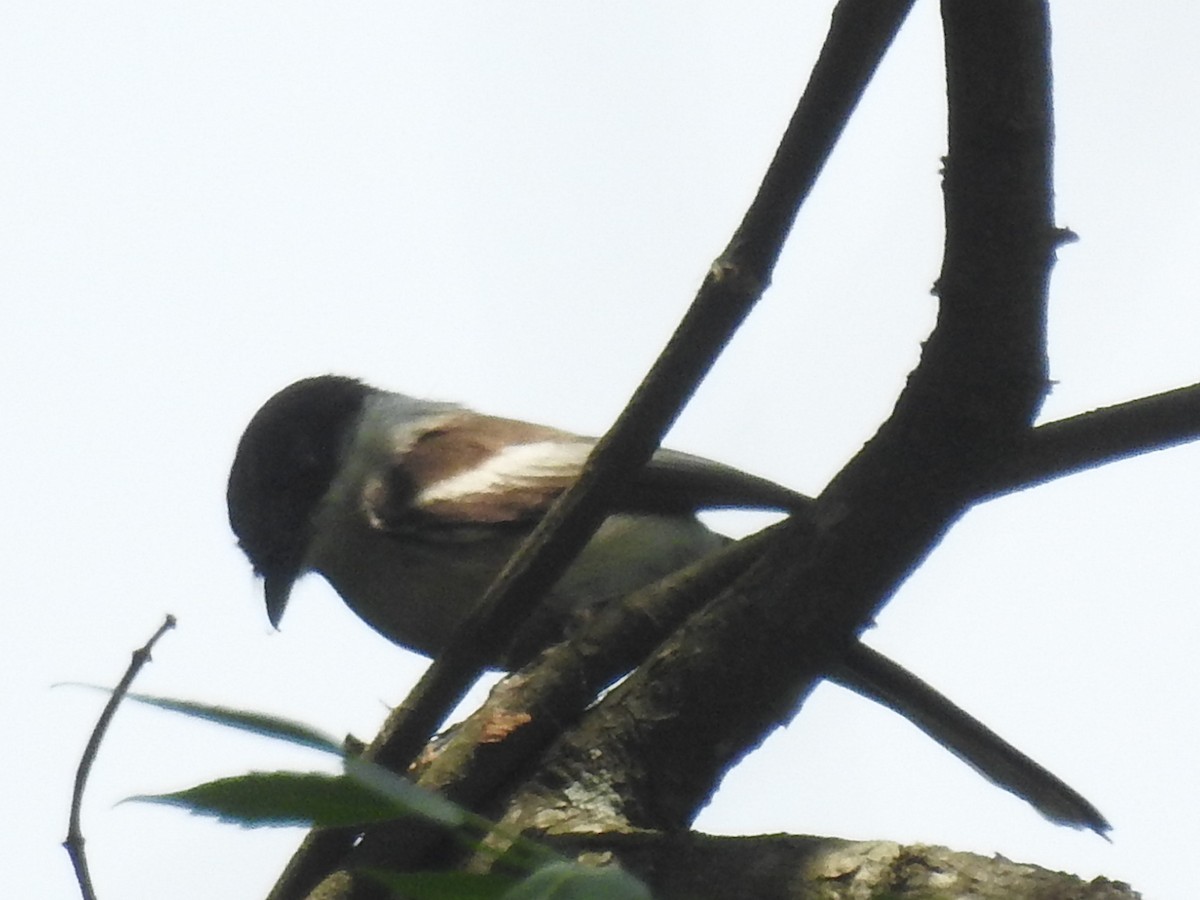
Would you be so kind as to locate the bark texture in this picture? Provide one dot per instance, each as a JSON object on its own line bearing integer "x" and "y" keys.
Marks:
{"x": 793, "y": 867}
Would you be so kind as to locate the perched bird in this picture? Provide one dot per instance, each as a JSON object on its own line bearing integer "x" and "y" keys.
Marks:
{"x": 410, "y": 508}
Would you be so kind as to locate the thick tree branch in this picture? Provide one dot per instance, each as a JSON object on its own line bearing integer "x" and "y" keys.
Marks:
{"x": 793, "y": 867}
{"x": 736, "y": 671}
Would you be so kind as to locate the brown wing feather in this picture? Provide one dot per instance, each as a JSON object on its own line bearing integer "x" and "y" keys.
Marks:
{"x": 479, "y": 470}
{"x": 483, "y": 470}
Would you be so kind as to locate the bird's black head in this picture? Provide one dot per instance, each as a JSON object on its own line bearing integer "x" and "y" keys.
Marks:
{"x": 284, "y": 464}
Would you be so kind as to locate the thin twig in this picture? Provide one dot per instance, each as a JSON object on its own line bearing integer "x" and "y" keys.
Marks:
{"x": 74, "y": 842}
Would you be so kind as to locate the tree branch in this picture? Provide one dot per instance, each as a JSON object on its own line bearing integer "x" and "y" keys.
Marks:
{"x": 693, "y": 866}
{"x": 734, "y": 672}
{"x": 1099, "y": 437}
{"x": 74, "y": 842}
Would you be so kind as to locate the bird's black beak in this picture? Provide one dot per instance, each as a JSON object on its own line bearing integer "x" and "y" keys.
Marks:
{"x": 277, "y": 589}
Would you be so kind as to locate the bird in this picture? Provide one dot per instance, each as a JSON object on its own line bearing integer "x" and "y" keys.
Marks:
{"x": 409, "y": 508}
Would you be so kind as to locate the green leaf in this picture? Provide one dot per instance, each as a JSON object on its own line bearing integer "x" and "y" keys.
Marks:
{"x": 366, "y": 793}
{"x": 285, "y": 798}
{"x": 572, "y": 881}
{"x": 443, "y": 885}
{"x": 258, "y": 723}
{"x": 404, "y": 794}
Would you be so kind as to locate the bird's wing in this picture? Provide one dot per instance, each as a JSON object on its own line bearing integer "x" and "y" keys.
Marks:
{"x": 469, "y": 470}
{"x": 674, "y": 481}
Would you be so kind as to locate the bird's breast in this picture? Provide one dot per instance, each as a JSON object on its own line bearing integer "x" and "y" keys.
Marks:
{"x": 415, "y": 591}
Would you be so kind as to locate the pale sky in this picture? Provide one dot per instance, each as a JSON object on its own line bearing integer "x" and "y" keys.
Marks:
{"x": 510, "y": 205}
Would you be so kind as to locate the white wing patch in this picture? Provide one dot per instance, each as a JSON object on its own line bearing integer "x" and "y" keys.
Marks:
{"x": 515, "y": 467}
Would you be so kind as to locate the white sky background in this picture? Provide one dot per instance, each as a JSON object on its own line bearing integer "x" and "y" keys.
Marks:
{"x": 510, "y": 204}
